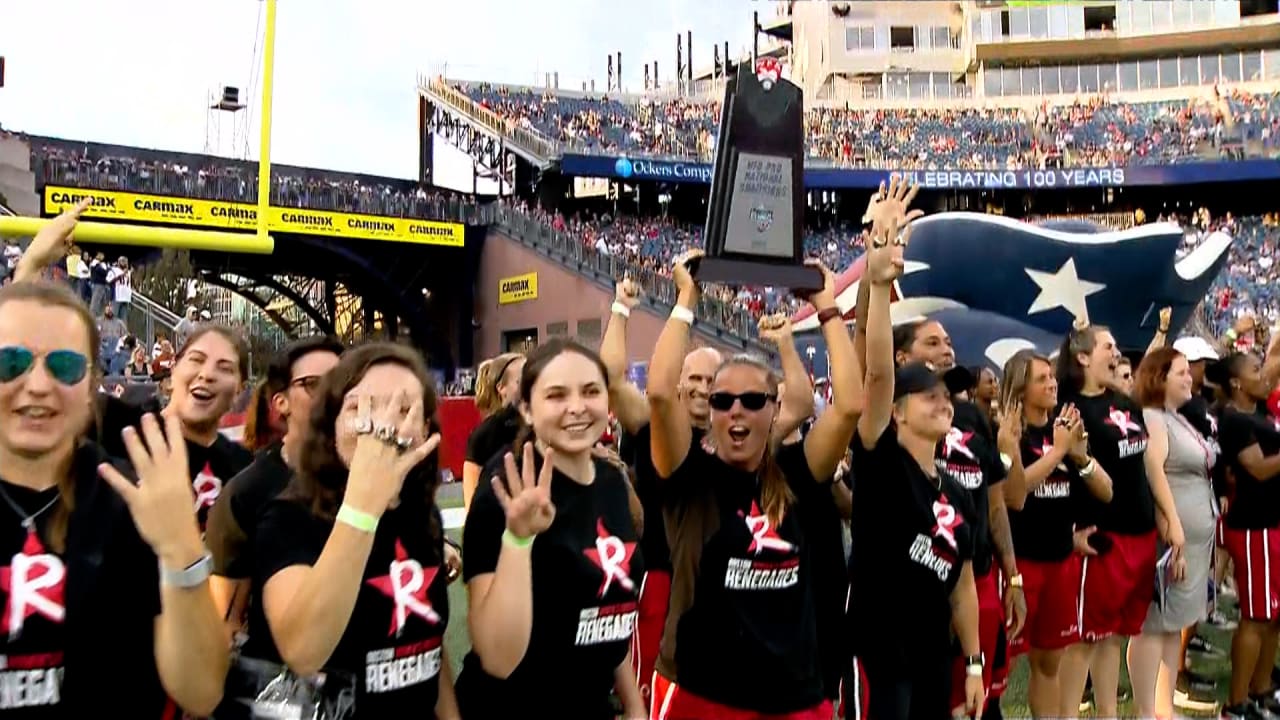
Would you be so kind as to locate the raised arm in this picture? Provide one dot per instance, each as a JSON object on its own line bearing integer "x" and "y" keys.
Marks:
{"x": 1162, "y": 331}
{"x": 669, "y": 429}
{"x": 825, "y": 445}
{"x": 625, "y": 399}
{"x": 884, "y": 266}
{"x": 796, "y": 401}
{"x": 50, "y": 244}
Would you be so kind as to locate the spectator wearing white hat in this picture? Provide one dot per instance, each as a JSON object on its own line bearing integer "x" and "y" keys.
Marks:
{"x": 186, "y": 326}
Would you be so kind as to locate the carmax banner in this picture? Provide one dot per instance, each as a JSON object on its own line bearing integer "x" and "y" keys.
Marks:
{"x": 220, "y": 215}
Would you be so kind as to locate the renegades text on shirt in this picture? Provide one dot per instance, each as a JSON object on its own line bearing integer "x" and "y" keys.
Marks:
{"x": 606, "y": 624}
{"x": 30, "y": 680}
{"x": 401, "y": 667}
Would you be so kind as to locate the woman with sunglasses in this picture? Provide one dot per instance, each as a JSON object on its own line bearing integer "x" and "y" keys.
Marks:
{"x": 551, "y": 561}
{"x": 741, "y": 635}
{"x": 497, "y": 393}
{"x": 92, "y": 619}
{"x": 1046, "y": 455}
{"x": 1117, "y": 584}
{"x": 349, "y": 559}
{"x": 912, "y": 522}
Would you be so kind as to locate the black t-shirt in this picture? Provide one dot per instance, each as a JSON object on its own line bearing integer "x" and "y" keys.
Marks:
{"x": 914, "y": 533}
{"x": 1117, "y": 441}
{"x": 493, "y": 435}
{"x": 234, "y": 517}
{"x": 78, "y": 627}
{"x": 1256, "y": 504}
{"x": 394, "y": 641}
{"x": 586, "y": 583}
{"x": 1042, "y": 529}
{"x": 211, "y": 467}
{"x": 741, "y": 628}
{"x": 821, "y": 523}
{"x": 635, "y": 451}
{"x": 969, "y": 455}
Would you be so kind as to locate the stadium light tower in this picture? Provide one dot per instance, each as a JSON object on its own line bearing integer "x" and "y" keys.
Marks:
{"x": 224, "y": 104}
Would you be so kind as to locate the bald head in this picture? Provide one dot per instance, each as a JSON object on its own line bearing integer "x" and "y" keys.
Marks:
{"x": 696, "y": 374}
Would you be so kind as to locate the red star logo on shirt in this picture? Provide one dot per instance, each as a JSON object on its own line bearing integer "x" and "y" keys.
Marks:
{"x": 763, "y": 535}
{"x": 957, "y": 442}
{"x": 613, "y": 557}
{"x": 407, "y": 583}
{"x": 1045, "y": 448}
{"x": 1122, "y": 420}
{"x": 207, "y": 486}
{"x": 35, "y": 583}
{"x": 944, "y": 513}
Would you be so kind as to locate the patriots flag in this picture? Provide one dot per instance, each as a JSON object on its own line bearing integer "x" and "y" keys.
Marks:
{"x": 1000, "y": 285}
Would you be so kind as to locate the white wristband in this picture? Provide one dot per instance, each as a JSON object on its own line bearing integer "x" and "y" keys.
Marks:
{"x": 620, "y": 309}
{"x": 683, "y": 314}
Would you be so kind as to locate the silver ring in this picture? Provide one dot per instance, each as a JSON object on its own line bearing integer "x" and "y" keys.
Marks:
{"x": 403, "y": 443}
{"x": 361, "y": 425}
{"x": 385, "y": 433}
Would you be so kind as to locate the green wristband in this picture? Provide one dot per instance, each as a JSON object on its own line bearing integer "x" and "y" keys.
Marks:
{"x": 514, "y": 540}
{"x": 357, "y": 519}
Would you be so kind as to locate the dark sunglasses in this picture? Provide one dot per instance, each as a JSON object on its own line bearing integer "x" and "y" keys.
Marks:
{"x": 751, "y": 401}
{"x": 66, "y": 366}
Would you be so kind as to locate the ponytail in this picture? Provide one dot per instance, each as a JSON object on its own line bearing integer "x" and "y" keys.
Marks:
{"x": 775, "y": 494}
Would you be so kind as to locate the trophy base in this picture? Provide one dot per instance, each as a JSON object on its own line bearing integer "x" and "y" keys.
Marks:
{"x": 746, "y": 272}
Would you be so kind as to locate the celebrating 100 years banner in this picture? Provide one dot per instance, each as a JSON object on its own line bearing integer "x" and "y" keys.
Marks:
{"x": 826, "y": 177}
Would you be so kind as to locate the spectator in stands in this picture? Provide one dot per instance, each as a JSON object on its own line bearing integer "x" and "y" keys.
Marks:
{"x": 99, "y": 295}
{"x": 120, "y": 278}
{"x": 187, "y": 325}
{"x": 139, "y": 368}
{"x": 83, "y": 268}
{"x": 111, "y": 330}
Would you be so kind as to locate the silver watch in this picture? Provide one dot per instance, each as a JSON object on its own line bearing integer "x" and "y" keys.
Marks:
{"x": 193, "y": 576}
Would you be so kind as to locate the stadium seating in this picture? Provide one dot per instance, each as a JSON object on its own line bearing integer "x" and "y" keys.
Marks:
{"x": 1089, "y": 132}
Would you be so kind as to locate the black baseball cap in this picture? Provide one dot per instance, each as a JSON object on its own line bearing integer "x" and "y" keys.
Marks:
{"x": 914, "y": 377}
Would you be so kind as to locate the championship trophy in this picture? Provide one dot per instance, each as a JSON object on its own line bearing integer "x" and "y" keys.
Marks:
{"x": 755, "y": 220}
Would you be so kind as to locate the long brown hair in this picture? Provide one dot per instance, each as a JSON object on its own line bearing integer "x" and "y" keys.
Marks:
{"x": 535, "y": 363}
{"x": 1070, "y": 371}
{"x": 59, "y": 296}
{"x": 1017, "y": 375}
{"x": 321, "y": 480}
{"x": 1152, "y": 377}
{"x": 488, "y": 377}
{"x": 775, "y": 494}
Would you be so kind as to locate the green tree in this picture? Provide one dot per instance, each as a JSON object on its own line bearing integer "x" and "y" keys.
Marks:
{"x": 167, "y": 279}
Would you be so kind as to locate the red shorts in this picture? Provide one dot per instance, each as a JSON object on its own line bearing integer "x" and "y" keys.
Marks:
{"x": 655, "y": 594}
{"x": 1051, "y": 589}
{"x": 1117, "y": 587}
{"x": 1255, "y": 554}
{"x": 672, "y": 703}
{"x": 991, "y": 636}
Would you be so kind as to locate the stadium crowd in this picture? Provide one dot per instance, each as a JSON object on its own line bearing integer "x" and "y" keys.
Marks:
{"x": 1095, "y": 131}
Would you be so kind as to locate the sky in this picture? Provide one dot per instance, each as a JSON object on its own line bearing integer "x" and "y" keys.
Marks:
{"x": 139, "y": 72}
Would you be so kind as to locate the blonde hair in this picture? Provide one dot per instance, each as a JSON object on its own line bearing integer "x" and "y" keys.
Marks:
{"x": 488, "y": 377}
{"x": 775, "y": 495}
{"x": 1016, "y": 376}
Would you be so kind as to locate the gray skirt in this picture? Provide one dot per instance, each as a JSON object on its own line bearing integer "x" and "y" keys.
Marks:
{"x": 1187, "y": 602}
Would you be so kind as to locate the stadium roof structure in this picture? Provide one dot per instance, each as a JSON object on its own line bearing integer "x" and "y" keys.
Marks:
{"x": 1249, "y": 35}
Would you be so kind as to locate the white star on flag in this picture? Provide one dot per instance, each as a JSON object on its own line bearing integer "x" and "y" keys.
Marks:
{"x": 1062, "y": 289}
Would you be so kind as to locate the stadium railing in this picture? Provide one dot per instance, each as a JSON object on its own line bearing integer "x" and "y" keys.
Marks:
{"x": 728, "y": 322}
{"x": 442, "y": 90}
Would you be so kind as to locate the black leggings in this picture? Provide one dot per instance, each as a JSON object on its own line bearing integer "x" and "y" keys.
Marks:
{"x": 917, "y": 689}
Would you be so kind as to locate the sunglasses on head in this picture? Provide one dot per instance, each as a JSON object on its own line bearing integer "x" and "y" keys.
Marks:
{"x": 752, "y": 401}
{"x": 68, "y": 367}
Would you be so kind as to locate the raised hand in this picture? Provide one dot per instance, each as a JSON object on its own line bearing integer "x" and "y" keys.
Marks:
{"x": 1063, "y": 431}
{"x": 54, "y": 239}
{"x": 388, "y": 446}
{"x": 627, "y": 292}
{"x": 680, "y": 271}
{"x": 775, "y": 329}
{"x": 1166, "y": 315}
{"x": 524, "y": 496}
{"x": 162, "y": 502}
{"x": 893, "y": 209}
{"x": 1009, "y": 435}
